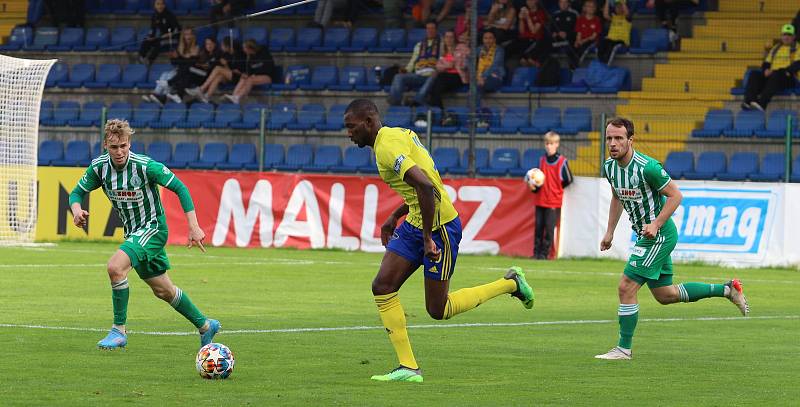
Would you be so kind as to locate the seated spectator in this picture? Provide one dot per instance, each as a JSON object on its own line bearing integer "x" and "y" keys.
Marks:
{"x": 501, "y": 19}
{"x": 588, "y": 28}
{"x": 451, "y": 73}
{"x": 228, "y": 70}
{"x": 183, "y": 58}
{"x": 227, "y": 10}
{"x": 163, "y": 26}
{"x": 491, "y": 64}
{"x": 462, "y": 25}
{"x": 530, "y": 44}
{"x": 420, "y": 69}
{"x": 667, "y": 13}
{"x": 198, "y": 71}
{"x": 562, "y": 28}
{"x": 619, "y": 31}
{"x": 778, "y": 72}
{"x": 258, "y": 70}
{"x": 423, "y": 10}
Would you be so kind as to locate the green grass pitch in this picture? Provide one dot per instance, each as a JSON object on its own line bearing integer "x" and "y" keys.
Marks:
{"x": 55, "y": 305}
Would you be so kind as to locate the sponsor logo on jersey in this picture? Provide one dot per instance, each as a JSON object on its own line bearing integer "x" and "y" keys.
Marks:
{"x": 165, "y": 171}
{"x": 136, "y": 182}
{"x": 634, "y": 180}
{"x": 398, "y": 163}
{"x": 633, "y": 263}
{"x": 629, "y": 194}
{"x": 126, "y": 195}
{"x": 433, "y": 269}
{"x": 638, "y": 251}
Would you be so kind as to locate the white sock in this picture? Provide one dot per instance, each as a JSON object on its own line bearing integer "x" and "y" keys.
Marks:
{"x": 727, "y": 291}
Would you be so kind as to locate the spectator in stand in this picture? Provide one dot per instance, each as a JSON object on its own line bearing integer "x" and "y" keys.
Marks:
{"x": 197, "y": 73}
{"x": 531, "y": 45}
{"x": 462, "y": 25}
{"x": 562, "y": 29}
{"x": 420, "y": 69}
{"x": 619, "y": 31}
{"x": 326, "y": 8}
{"x": 228, "y": 70}
{"x": 588, "y": 28}
{"x": 501, "y": 19}
{"x": 667, "y": 13}
{"x": 451, "y": 73}
{"x": 778, "y": 72}
{"x": 182, "y": 59}
{"x": 227, "y": 10}
{"x": 491, "y": 64}
{"x": 422, "y": 11}
{"x": 163, "y": 27}
{"x": 258, "y": 70}
{"x": 557, "y": 176}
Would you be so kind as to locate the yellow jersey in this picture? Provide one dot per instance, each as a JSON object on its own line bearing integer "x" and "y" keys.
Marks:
{"x": 781, "y": 56}
{"x": 396, "y": 151}
{"x": 620, "y": 29}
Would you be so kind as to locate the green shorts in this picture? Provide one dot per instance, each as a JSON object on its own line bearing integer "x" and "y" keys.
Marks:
{"x": 650, "y": 260}
{"x": 145, "y": 248}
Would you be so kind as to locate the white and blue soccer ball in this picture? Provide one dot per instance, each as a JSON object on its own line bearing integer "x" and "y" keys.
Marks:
{"x": 215, "y": 361}
{"x": 534, "y": 178}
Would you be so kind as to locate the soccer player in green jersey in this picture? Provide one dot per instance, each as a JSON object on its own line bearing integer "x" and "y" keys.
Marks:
{"x": 131, "y": 181}
{"x": 428, "y": 237}
{"x": 641, "y": 186}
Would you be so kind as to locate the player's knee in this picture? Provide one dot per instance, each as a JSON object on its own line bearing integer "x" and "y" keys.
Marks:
{"x": 115, "y": 272}
{"x": 163, "y": 293}
{"x": 436, "y": 313}
{"x": 664, "y": 300}
{"x": 380, "y": 287}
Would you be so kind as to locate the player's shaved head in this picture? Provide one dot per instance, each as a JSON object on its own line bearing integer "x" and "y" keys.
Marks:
{"x": 362, "y": 121}
{"x": 362, "y": 108}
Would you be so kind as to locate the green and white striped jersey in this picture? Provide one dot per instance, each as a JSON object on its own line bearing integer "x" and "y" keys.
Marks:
{"x": 637, "y": 186}
{"x": 132, "y": 190}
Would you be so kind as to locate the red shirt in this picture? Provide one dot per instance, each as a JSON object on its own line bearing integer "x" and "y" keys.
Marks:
{"x": 552, "y": 192}
{"x": 588, "y": 26}
{"x": 536, "y": 17}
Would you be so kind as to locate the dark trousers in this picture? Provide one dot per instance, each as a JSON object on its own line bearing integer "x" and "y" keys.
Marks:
{"x": 575, "y": 54}
{"x": 444, "y": 83}
{"x": 605, "y": 48}
{"x": 667, "y": 11}
{"x": 761, "y": 89}
{"x": 71, "y": 13}
{"x": 150, "y": 48}
{"x": 526, "y": 48}
{"x": 546, "y": 219}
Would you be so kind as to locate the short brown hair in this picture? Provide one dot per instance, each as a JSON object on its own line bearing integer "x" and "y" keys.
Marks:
{"x": 118, "y": 128}
{"x": 622, "y": 122}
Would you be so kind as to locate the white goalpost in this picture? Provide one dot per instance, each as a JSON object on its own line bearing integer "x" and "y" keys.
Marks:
{"x": 21, "y": 86}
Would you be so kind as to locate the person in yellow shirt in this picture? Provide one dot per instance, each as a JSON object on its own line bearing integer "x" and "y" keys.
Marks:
{"x": 779, "y": 71}
{"x": 619, "y": 31}
{"x": 428, "y": 237}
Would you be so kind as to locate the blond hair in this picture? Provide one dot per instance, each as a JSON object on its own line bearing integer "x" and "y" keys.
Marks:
{"x": 552, "y": 137}
{"x": 118, "y": 128}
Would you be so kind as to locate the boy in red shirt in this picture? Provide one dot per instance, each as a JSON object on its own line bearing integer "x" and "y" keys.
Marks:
{"x": 548, "y": 207}
{"x": 588, "y": 28}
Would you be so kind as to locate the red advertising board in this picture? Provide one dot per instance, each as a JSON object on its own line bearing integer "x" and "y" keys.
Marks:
{"x": 246, "y": 209}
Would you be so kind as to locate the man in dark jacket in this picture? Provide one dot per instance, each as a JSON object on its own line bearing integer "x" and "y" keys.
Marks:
{"x": 164, "y": 27}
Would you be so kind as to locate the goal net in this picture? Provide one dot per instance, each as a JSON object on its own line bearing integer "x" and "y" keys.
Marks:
{"x": 21, "y": 85}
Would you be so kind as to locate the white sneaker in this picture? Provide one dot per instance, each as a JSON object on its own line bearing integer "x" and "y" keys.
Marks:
{"x": 756, "y": 106}
{"x": 616, "y": 353}
{"x": 234, "y": 99}
{"x": 193, "y": 91}
{"x": 146, "y": 98}
{"x": 736, "y": 296}
{"x": 173, "y": 97}
{"x": 203, "y": 98}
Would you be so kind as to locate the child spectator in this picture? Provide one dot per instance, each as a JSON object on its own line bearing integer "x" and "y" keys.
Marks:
{"x": 163, "y": 26}
{"x": 588, "y": 28}
{"x": 619, "y": 31}
{"x": 258, "y": 70}
{"x": 557, "y": 176}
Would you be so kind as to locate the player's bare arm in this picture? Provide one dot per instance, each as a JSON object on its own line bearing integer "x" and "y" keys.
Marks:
{"x": 390, "y": 224}
{"x": 614, "y": 212}
{"x": 674, "y": 197}
{"x": 424, "y": 189}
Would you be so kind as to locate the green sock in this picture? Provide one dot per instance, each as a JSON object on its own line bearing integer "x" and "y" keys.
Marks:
{"x": 628, "y": 316}
{"x": 690, "y": 292}
{"x": 183, "y": 304}
{"x": 119, "y": 299}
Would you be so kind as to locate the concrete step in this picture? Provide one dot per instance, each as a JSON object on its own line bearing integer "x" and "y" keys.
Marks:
{"x": 703, "y": 86}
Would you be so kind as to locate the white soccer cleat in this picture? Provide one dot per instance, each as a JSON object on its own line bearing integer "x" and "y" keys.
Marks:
{"x": 616, "y": 353}
{"x": 736, "y": 295}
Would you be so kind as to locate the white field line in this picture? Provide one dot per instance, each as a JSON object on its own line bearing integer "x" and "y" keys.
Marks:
{"x": 425, "y": 326}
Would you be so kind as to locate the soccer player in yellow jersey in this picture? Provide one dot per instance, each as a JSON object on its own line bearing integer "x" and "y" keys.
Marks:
{"x": 428, "y": 237}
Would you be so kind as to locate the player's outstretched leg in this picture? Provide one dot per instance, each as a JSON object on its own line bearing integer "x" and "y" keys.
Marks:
{"x": 732, "y": 290}
{"x": 513, "y": 283}
{"x": 206, "y": 326}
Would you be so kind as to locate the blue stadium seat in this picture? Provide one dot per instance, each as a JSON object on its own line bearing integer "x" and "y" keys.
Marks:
{"x": 20, "y": 37}
{"x": 446, "y": 160}
{"x": 652, "y": 40}
{"x": 257, "y": 33}
{"x": 461, "y": 115}
{"x": 45, "y": 111}
{"x": 413, "y": 37}
{"x": 213, "y": 154}
{"x": 522, "y": 78}
{"x": 127, "y": 7}
{"x": 544, "y": 119}
{"x": 578, "y": 83}
{"x": 131, "y": 75}
{"x": 123, "y": 38}
{"x": 679, "y": 163}
{"x": 354, "y": 158}
{"x": 137, "y": 147}
{"x": 49, "y": 151}
{"x": 391, "y": 39}
{"x": 199, "y": 113}
{"x": 335, "y": 39}
{"x": 747, "y": 123}
{"x": 334, "y": 121}
{"x": 69, "y": 37}
{"x": 106, "y": 74}
{"x": 776, "y": 126}
{"x": 351, "y": 77}
{"x": 274, "y": 154}
{"x": 184, "y": 7}
{"x": 77, "y": 154}
{"x": 709, "y": 164}
{"x": 369, "y": 169}
{"x": 241, "y": 156}
{"x": 503, "y": 160}
{"x": 156, "y": 70}
{"x": 185, "y": 153}
{"x": 63, "y": 113}
{"x": 171, "y": 115}
{"x": 565, "y": 78}
{"x": 251, "y": 117}
{"x": 363, "y": 38}
{"x": 281, "y": 38}
{"x": 740, "y": 166}
{"x": 226, "y": 114}
{"x": 530, "y": 159}
{"x": 90, "y": 115}
{"x": 513, "y": 119}
{"x": 321, "y": 77}
{"x": 398, "y": 116}
{"x": 145, "y": 114}
{"x": 281, "y": 115}
{"x": 233, "y": 32}
{"x": 716, "y": 122}
{"x": 575, "y": 120}
{"x": 773, "y": 168}
{"x": 481, "y": 159}
{"x": 325, "y": 157}
{"x": 297, "y": 156}
{"x": 294, "y": 76}
{"x": 78, "y": 74}
{"x": 45, "y": 36}
{"x": 120, "y": 110}
{"x": 796, "y": 169}
{"x": 307, "y": 38}
{"x": 96, "y": 38}
{"x": 309, "y": 116}
{"x": 204, "y": 32}
{"x": 160, "y": 151}
{"x": 58, "y": 72}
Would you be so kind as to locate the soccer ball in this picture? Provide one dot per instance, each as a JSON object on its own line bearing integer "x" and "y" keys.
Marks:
{"x": 534, "y": 178}
{"x": 215, "y": 361}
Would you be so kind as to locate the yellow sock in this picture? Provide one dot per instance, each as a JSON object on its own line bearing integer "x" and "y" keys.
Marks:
{"x": 394, "y": 319}
{"x": 466, "y": 299}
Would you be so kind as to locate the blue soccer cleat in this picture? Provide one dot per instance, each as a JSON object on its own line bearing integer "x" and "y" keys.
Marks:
{"x": 208, "y": 336}
{"x": 114, "y": 340}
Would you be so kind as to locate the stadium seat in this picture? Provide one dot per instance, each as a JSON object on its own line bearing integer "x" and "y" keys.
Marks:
{"x": 45, "y": 36}
{"x": 185, "y": 153}
{"x": 369, "y": 169}
{"x": 63, "y": 113}
{"x": 679, "y": 163}
{"x": 132, "y": 74}
{"x": 544, "y": 119}
{"x": 565, "y": 77}
{"x": 309, "y": 116}
{"x": 123, "y": 38}
{"x": 204, "y": 32}
{"x": 137, "y": 147}
{"x": 281, "y": 38}
{"x": 390, "y": 40}
{"x": 446, "y": 159}
{"x": 776, "y": 126}
{"x": 213, "y": 154}
{"x": 21, "y": 37}
{"x": 171, "y": 114}
{"x": 160, "y": 151}
{"x": 120, "y": 110}
{"x": 307, "y": 38}
{"x": 145, "y": 114}
{"x": 413, "y": 37}
{"x": 716, "y": 122}
{"x": 281, "y": 115}
{"x": 233, "y": 33}
{"x": 106, "y": 74}
{"x": 398, "y": 116}
{"x": 199, "y": 113}
{"x": 297, "y": 156}
{"x": 295, "y": 75}
{"x": 578, "y": 82}
{"x": 184, "y": 7}
{"x": 773, "y": 168}
{"x": 351, "y": 77}
{"x": 274, "y": 154}
{"x": 89, "y": 116}
{"x": 257, "y": 33}
{"x": 96, "y": 38}
{"x": 334, "y": 121}
{"x": 128, "y": 7}
{"x": 503, "y": 160}
{"x": 78, "y": 74}
{"x": 362, "y": 39}
{"x": 461, "y": 114}
{"x": 77, "y": 154}
{"x": 481, "y": 159}
{"x": 45, "y": 111}
{"x": 322, "y": 76}
{"x": 740, "y": 166}
{"x": 241, "y": 156}
{"x": 513, "y": 119}
{"x": 334, "y": 40}
{"x": 156, "y": 70}
{"x": 225, "y": 114}
{"x": 530, "y": 159}
{"x": 325, "y": 157}
{"x": 652, "y": 40}
{"x": 68, "y": 38}
{"x": 747, "y": 123}
{"x": 575, "y": 120}
{"x": 796, "y": 169}
{"x": 521, "y": 80}
{"x": 354, "y": 158}
{"x": 49, "y": 151}
{"x": 58, "y": 72}
{"x": 251, "y": 117}
{"x": 709, "y": 164}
